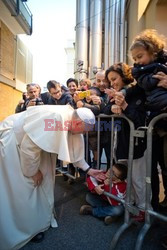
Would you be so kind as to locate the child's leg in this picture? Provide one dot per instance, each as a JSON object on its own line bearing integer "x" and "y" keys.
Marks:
{"x": 139, "y": 181}
{"x": 109, "y": 210}
{"x": 95, "y": 200}
{"x": 101, "y": 208}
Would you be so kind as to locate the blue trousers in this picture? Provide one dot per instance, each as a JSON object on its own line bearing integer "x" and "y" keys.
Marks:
{"x": 101, "y": 208}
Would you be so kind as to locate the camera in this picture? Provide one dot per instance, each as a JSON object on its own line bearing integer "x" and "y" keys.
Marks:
{"x": 38, "y": 101}
{"x": 84, "y": 94}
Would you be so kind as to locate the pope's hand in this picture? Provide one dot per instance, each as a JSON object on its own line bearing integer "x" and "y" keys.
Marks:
{"x": 98, "y": 174}
{"x": 37, "y": 178}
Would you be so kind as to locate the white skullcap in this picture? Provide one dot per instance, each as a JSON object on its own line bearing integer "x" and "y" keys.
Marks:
{"x": 86, "y": 115}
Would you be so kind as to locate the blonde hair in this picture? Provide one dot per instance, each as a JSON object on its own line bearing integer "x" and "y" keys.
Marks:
{"x": 87, "y": 81}
{"x": 151, "y": 41}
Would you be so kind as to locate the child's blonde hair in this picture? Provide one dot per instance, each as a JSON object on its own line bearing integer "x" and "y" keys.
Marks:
{"x": 87, "y": 81}
{"x": 150, "y": 40}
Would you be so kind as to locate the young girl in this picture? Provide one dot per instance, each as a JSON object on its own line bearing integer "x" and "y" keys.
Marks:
{"x": 150, "y": 57}
{"x": 85, "y": 84}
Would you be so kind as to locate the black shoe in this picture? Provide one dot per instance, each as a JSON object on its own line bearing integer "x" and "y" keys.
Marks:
{"x": 110, "y": 219}
{"x": 38, "y": 238}
{"x": 163, "y": 203}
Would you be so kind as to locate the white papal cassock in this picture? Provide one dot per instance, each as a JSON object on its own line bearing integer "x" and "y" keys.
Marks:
{"x": 26, "y": 145}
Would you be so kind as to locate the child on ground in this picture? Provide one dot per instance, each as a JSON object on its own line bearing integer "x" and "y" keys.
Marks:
{"x": 103, "y": 206}
{"x": 150, "y": 57}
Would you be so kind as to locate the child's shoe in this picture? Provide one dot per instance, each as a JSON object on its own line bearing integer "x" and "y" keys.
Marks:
{"x": 85, "y": 210}
{"x": 110, "y": 219}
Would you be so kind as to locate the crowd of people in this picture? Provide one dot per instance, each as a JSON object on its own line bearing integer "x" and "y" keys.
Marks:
{"x": 49, "y": 126}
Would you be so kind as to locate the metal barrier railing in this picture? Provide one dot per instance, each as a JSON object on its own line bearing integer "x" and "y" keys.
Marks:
{"x": 149, "y": 212}
{"x": 129, "y": 208}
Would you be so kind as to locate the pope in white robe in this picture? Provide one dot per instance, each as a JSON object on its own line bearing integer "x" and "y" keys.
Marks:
{"x": 30, "y": 143}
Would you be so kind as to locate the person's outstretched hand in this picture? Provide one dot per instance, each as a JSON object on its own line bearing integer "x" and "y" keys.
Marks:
{"x": 98, "y": 174}
{"x": 162, "y": 77}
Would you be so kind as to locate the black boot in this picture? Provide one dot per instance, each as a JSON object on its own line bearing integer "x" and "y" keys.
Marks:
{"x": 38, "y": 238}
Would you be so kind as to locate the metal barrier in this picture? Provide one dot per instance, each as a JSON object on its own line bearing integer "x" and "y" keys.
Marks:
{"x": 129, "y": 208}
{"x": 148, "y": 210}
{"x": 65, "y": 171}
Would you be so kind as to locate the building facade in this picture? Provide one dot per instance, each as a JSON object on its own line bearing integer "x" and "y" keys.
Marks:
{"x": 105, "y": 30}
{"x": 70, "y": 55}
{"x": 15, "y": 58}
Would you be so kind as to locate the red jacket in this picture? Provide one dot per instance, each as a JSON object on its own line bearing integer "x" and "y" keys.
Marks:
{"x": 118, "y": 189}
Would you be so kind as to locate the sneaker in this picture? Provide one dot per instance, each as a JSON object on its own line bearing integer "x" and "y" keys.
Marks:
{"x": 140, "y": 217}
{"x": 85, "y": 210}
{"x": 164, "y": 202}
{"x": 110, "y": 219}
{"x": 164, "y": 242}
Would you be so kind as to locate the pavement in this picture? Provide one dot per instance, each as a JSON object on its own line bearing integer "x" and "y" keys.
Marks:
{"x": 85, "y": 232}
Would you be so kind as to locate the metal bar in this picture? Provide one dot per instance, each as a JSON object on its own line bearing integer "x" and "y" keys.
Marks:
{"x": 118, "y": 234}
{"x": 98, "y": 142}
{"x": 149, "y": 212}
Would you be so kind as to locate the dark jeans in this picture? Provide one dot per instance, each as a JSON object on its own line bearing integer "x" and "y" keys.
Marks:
{"x": 102, "y": 208}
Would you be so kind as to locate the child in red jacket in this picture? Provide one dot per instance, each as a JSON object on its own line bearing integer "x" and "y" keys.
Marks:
{"x": 103, "y": 206}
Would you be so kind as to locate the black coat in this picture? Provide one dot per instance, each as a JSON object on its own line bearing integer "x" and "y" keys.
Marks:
{"x": 135, "y": 111}
{"x": 66, "y": 98}
{"x": 156, "y": 97}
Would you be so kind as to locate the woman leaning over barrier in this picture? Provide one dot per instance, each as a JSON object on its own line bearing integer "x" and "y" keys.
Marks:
{"x": 128, "y": 99}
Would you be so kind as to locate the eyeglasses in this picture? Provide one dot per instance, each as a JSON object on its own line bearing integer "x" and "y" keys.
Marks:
{"x": 113, "y": 174}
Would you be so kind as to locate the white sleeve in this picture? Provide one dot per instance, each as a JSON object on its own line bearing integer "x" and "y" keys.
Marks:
{"x": 29, "y": 156}
{"x": 81, "y": 164}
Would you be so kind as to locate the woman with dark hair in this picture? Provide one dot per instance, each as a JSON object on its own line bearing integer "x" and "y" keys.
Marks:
{"x": 129, "y": 101}
{"x": 72, "y": 84}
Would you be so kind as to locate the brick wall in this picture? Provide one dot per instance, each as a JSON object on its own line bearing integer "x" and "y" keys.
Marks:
{"x": 9, "y": 98}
